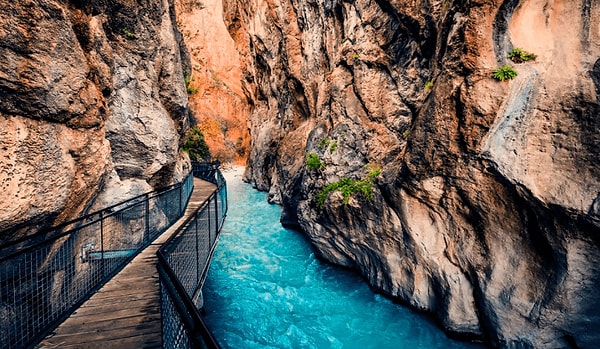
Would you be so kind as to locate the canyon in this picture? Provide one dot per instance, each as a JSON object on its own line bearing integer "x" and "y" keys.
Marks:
{"x": 486, "y": 209}
{"x": 472, "y": 199}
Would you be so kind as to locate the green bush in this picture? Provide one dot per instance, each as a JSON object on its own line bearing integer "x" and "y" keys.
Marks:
{"x": 313, "y": 162}
{"x": 348, "y": 187}
{"x": 324, "y": 142}
{"x": 505, "y": 72}
{"x": 374, "y": 171}
{"x": 518, "y": 55}
{"x": 333, "y": 146}
{"x": 188, "y": 79}
{"x": 196, "y": 146}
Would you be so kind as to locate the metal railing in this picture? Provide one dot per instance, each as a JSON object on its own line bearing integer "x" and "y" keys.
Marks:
{"x": 45, "y": 277}
{"x": 183, "y": 263}
{"x": 209, "y": 171}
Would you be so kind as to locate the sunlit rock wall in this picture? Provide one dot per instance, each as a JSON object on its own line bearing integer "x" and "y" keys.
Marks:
{"x": 487, "y": 211}
{"x": 92, "y": 107}
{"x": 215, "y": 91}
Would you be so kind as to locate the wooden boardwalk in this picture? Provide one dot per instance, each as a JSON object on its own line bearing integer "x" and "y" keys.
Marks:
{"x": 125, "y": 312}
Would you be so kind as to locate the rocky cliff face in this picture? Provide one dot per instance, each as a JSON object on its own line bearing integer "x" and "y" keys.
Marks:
{"x": 487, "y": 211}
{"x": 215, "y": 82}
{"x": 92, "y": 107}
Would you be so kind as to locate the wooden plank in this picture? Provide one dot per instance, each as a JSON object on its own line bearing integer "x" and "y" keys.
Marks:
{"x": 120, "y": 296}
{"x": 108, "y": 313}
{"x": 132, "y": 342}
{"x": 98, "y": 309}
{"x": 83, "y": 335}
{"x": 132, "y": 282}
{"x": 124, "y": 302}
{"x": 112, "y": 324}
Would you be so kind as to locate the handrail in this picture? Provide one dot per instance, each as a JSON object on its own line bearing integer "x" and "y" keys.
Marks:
{"x": 183, "y": 262}
{"x": 61, "y": 227}
{"x": 45, "y": 281}
{"x": 209, "y": 171}
{"x": 60, "y": 230}
{"x": 191, "y": 319}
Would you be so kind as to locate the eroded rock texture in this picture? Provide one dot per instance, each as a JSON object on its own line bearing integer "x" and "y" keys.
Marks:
{"x": 215, "y": 83}
{"x": 92, "y": 107}
{"x": 487, "y": 209}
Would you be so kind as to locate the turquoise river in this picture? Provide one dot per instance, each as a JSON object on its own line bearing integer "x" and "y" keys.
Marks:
{"x": 266, "y": 289}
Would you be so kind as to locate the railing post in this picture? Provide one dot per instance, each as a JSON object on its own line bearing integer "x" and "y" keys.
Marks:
{"x": 102, "y": 244}
{"x": 208, "y": 215}
{"x": 147, "y": 219}
{"x": 197, "y": 251}
{"x": 180, "y": 203}
{"x": 216, "y": 218}
{"x": 226, "y": 200}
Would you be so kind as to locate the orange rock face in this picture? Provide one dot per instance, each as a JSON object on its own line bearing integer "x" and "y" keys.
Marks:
{"x": 215, "y": 80}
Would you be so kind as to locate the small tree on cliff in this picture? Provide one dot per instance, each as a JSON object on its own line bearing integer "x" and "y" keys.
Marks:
{"x": 196, "y": 146}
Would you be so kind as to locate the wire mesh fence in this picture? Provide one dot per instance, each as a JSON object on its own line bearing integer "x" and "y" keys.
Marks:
{"x": 172, "y": 323}
{"x": 43, "y": 279}
{"x": 183, "y": 263}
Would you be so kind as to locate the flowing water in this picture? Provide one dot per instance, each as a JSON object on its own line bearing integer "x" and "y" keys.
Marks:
{"x": 266, "y": 289}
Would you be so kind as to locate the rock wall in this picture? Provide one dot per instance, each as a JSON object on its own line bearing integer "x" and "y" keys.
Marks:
{"x": 92, "y": 107}
{"x": 215, "y": 82}
{"x": 487, "y": 211}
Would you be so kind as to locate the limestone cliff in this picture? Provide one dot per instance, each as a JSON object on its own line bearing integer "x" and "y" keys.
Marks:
{"x": 214, "y": 80}
{"x": 487, "y": 211}
{"x": 92, "y": 107}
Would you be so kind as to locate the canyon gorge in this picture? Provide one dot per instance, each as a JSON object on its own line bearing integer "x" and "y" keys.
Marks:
{"x": 486, "y": 209}
{"x": 473, "y": 199}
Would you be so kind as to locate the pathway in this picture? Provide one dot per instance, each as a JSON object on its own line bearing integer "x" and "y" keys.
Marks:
{"x": 125, "y": 312}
